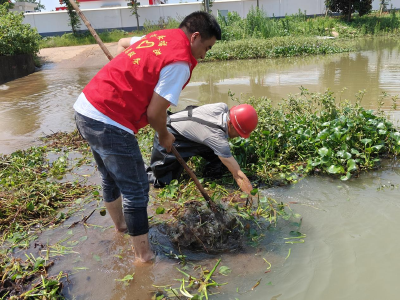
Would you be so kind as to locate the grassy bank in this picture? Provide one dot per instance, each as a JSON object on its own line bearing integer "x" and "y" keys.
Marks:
{"x": 258, "y": 25}
{"x": 68, "y": 39}
{"x": 277, "y": 47}
{"x": 259, "y": 36}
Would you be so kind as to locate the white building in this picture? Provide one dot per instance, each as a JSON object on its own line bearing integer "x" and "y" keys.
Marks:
{"x": 95, "y": 4}
{"x": 115, "y": 14}
{"x": 24, "y": 7}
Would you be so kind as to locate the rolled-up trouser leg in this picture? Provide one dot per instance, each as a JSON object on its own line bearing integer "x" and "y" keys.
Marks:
{"x": 122, "y": 169}
{"x": 137, "y": 221}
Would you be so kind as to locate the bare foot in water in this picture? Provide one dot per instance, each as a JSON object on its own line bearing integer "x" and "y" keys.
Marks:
{"x": 141, "y": 245}
{"x": 145, "y": 259}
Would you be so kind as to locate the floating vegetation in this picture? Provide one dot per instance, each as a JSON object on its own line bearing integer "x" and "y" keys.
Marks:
{"x": 31, "y": 197}
{"x": 28, "y": 279}
{"x": 252, "y": 48}
{"x": 313, "y": 133}
{"x": 192, "y": 287}
{"x": 305, "y": 134}
{"x": 193, "y": 226}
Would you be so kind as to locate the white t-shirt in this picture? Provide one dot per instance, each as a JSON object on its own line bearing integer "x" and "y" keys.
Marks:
{"x": 169, "y": 86}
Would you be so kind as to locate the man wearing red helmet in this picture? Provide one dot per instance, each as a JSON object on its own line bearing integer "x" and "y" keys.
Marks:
{"x": 204, "y": 131}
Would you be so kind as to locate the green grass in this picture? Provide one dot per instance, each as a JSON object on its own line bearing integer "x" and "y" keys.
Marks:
{"x": 258, "y": 25}
{"x": 258, "y": 36}
{"x": 276, "y": 47}
{"x": 110, "y": 36}
{"x": 86, "y": 38}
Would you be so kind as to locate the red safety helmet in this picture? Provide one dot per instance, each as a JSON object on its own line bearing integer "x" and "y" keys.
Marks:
{"x": 244, "y": 118}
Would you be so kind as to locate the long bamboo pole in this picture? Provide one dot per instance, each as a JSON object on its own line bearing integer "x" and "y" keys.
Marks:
{"x": 92, "y": 31}
{"x": 210, "y": 203}
{"x": 194, "y": 178}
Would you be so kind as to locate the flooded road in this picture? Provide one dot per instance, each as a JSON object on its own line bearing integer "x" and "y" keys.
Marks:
{"x": 351, "y": 245}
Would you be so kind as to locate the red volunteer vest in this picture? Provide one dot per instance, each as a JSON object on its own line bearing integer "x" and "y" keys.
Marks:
{"x": 123, "y": 88}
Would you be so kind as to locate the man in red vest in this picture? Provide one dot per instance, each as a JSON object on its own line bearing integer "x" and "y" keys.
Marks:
{"x": 131, "y": 91}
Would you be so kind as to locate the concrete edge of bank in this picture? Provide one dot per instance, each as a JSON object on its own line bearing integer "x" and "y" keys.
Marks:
{"x": 17, "y": 66}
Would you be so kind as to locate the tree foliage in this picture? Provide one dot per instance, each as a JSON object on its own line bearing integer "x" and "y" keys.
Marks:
{"x": 134, "y": 4}
{"x": 39, "y": 7}
{"x": 347, "y": 7}
{"x": 74, "y": 20}
{"x": 15, "y": 37}
{"x": 7, "y": 3}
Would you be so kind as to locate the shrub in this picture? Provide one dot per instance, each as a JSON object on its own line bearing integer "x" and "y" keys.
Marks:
{"x": 15, "y": 37}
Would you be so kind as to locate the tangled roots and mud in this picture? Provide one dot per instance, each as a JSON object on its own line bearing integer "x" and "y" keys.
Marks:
{"x": 197, "y": 228}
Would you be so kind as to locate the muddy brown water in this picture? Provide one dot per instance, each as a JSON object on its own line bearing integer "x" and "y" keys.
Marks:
{"x": 351, "y": 245}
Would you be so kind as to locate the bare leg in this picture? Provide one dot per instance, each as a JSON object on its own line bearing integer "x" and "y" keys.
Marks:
{"x": 141, "y": 244}
{"x": 115, "y": 210}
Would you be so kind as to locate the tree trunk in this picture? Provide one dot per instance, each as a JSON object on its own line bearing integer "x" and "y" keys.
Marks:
{"x": 349, "y": 14}
{"x": 92, "y": 31}
{"x": 137, "y": 19}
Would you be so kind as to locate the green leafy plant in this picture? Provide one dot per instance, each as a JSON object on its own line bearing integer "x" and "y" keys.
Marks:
{"x": 15, "y": 37}
{"x": 74, "y": 19}
{"x": 347, "y": 7}
{"x": 310, "y": 132}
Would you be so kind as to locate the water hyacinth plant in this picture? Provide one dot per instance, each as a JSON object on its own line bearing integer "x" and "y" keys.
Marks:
{"x": 312, "y": 132}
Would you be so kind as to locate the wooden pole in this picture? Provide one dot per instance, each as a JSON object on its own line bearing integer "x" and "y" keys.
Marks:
{"x": 92, "y": 31}
{"x": 193, "y": 176}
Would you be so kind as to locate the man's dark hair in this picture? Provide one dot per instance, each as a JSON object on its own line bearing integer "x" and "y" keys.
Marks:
{"x": 202, "y": 22}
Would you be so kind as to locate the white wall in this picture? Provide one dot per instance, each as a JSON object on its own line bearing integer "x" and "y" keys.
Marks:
{"x": 104, "y": 3}
{"x": 50, "y": 23}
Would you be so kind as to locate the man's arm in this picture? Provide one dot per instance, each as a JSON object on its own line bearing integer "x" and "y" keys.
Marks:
{"x": 157, "y": 117}
{"x": 123, "y": 44}
{"x": 241, "y": 179}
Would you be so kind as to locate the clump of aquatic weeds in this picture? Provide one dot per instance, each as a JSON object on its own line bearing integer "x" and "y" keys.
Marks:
{"x": 315, "y": 133}
{"x": 195, "y": 227}
{"x": 28, "y": 279}
{"x": 31, "y": 196}
{"x": 191, "y": 287}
